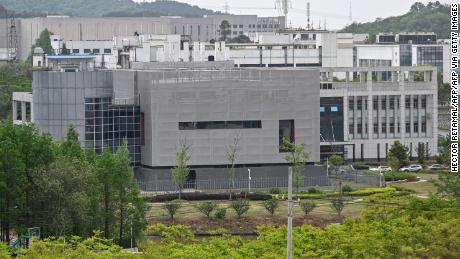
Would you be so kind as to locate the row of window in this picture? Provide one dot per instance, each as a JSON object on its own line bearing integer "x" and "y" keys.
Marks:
{"x": 92, "y": 51}
{"x": 393, "y": 102}
{"x": 197, "y": 125}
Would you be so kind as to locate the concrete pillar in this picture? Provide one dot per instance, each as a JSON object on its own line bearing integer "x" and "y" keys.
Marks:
{"x": 355, "y": 117}
{"x": 411, "y": 116}
{"x": 379, "y": 116}
{"x": 370, "y": 117}
{"x": 419, "y": 108}
{"x": 23, "y": 111}
{"x": 346, "y": 129}
{"x": 15, "y": 110}
{"x": 387, "y": 113}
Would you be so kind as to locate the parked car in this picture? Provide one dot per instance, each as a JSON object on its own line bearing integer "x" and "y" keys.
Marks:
{"x": 411, "y": 168}
{"x": 434, "y": 167}
{"x": 381, "y": 168}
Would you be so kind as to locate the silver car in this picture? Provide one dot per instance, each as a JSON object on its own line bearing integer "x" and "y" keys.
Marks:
{"x": 412, "y": 168}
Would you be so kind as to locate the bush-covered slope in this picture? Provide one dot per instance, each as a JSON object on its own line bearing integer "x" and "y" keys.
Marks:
{"x": 434, "y": 17}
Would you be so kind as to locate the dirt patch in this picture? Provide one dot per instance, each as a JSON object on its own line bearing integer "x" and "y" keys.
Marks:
{"x": 245, "y": 225}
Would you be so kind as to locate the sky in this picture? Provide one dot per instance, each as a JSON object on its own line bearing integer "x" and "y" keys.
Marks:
{"x": 335, "y": 12}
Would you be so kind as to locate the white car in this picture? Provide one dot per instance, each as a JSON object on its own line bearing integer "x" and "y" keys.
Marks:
{"x": 411, "y": 168}
{"x": 381, "y": 168}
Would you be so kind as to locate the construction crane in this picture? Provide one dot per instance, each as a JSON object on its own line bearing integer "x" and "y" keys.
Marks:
{"x": 12, "y": 44}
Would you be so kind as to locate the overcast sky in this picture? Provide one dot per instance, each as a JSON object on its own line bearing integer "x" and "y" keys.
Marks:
{"x": 336, "y": 12}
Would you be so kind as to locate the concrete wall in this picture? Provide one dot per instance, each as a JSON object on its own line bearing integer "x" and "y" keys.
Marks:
{"x": 167, "y": 98}
{"x": 59, "y": 99}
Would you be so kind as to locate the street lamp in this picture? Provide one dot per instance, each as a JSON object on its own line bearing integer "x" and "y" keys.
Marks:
{"x": 249, "y": 178}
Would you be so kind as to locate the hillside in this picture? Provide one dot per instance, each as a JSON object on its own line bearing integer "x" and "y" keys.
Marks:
{"x": 93, "y": 8}
{"x": 434, "y": 17}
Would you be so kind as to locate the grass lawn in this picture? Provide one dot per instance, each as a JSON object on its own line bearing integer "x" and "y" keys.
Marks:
{"x": 423, "y": 188}
{"x": 189, "y": 211}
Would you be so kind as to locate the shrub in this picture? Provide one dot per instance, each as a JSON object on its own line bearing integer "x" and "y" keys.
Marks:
{"x": 347, "y": 188}
{"x": 197, "y": 196}
{"x": 172, "y": 207}
{"x": 220, "y": 213}
{"x": 206, "y": 207}
{"x": 271, "y": 206}
{"x": 308, "y": 207}
{"x": 275, "y": 190}
{"x": 361, "y": 166}
{"x": 240, "y": 206}
{"x": 398, "y": 176}
{"x": 313, "y": 190}
{"x": 338, "y": 205}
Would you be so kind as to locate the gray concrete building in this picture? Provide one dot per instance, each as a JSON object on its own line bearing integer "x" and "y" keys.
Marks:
{"x": 157, "y": 109}
{"x": 105, "y": 28}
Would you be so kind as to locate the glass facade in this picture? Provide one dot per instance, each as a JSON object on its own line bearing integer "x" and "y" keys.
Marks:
{"x": 109, "y": 125}
{"x": 405, "y": 52}
{"x": 331, "y": 119}
{"x": 430, "y": 55}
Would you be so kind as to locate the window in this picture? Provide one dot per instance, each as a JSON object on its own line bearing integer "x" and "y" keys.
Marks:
{"x": 423, "y": 102}
{"x": 423, "y": 127}
{"x": 359, "y": 105}
{"x": 384, "y": 102}
{"x": 392, "y": 127}
{"x": 375, "y": 103}
{"x": 334, "y": 109}
{"x": 351, "y": 128}
{"x": 322, "y": 109}
{"x": 392, "y": 103}
{"x": 197, "y": 125}
{"x": 286, "y": 131}
{"x": 351, "y": 104}
{"x": 407, "y": 102}
{"x": 75, "y": 51}
{"x": 359, "y": 129}
{"x": 96, "y": 51}
{"x": 235, "y": 26}
{"x": 384, "y": 127}
{"x": 241, "y": 26}
{"x": 376, "y": 128}
{"x": 415, "y": 127}
{"x": 415, "y": 102}
{"x": 86, "y": 51}
{"x": 107, "y": 51}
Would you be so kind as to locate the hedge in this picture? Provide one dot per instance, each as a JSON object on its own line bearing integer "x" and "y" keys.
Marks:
{"x": 197, "y": 196}
{"x": 357, "y": 193}
{"x": 396, "y": 176}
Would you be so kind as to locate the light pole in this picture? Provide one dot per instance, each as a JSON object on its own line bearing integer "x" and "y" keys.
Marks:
{"x": 289, "y": 233}
{"x": 249, "y": 179}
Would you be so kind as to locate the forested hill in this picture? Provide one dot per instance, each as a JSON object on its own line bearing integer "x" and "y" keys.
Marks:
{"x": 94, "y": 8}
{"x": 433, "y": 17}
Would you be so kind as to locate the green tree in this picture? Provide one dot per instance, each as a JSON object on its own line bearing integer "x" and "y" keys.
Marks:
{"x": 448, "y": 184}
{"x": 130, "y": 204}
{"x": 44, "y": 42}
{"x": 400, "y": 152}
{"x": 240, "y": 39}
{"x": 71, "y": 146}
{"x": 106, "y": 166}
{"x": 231, "y": 157}
{"x": 297, "y": 156}
{"x": 180, "y": 171}
{"x": 225, "y": 30}
{"x": 393, "y": 162}
{"x": 421, "y": 153}
{"x": 15, "y": 77}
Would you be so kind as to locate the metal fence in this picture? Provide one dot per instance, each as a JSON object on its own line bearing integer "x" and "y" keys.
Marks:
{"x": 219, "y": 185}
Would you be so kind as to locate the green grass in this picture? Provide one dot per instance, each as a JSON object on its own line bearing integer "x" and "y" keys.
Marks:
{"x": 189, "y": 211}
{"x": 421, "y": 188}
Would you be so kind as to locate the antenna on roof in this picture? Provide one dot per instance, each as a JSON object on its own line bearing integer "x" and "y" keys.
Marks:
{"x": 226, "y": 7}
{"x": 325, "y": 23}
{"x": 351, "y": 14}
{"x": 319, "y": 24}
{"x": 308, "y": 15}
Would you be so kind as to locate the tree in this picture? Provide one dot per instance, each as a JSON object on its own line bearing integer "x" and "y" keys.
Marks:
{"x": 417, "y": 7}
{"x": 225, "y": 31}
{"x": 207, "y": 207}
{"x": 400, "y": 152}
{"x": 180, "y": 171}
{"x": 65, "y": 50}
{"x": 44, "y": 42}
{"x": 71, "y": 147}
{"x": 297, "y": 156}
{"x": 444, "y": 150}
{"x": 448, "y": 184}
{"x": 231, "y": 157}
{"x": 172, "y": 207}
{"x": 240, "y": 207}
{"x": 271, "y": 206}
{"x": 105, "y": 168}
{"x": 308, "y": 207}
{"x": 130, "y": 204}
{"x": 241, "y": 39}
{"x": 15, "y": 77}
{"x": 421, "y": 153}
{"x": 338, "y": 205}
{"x": 393, "y": 162}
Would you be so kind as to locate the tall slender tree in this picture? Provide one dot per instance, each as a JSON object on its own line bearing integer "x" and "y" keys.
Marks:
{"x": 181, "y": 171}
{"x": 297, "y": 156}
{"x": 231, "y": 157}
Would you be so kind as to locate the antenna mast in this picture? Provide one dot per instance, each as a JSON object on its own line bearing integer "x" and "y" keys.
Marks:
{"x": 308, "y": 16}
{"x": 284, "y": 6}
{"x": 226, "y": 7}
{"x": 12, "y": 39}
{"x": 351, "y": 14}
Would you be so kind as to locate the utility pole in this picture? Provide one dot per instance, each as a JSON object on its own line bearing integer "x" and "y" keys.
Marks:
{"x": 289, "y": 231}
